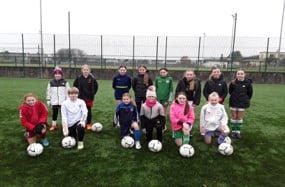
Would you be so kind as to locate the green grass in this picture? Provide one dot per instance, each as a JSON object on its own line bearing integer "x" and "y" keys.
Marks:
{"x": 258, "y": 158}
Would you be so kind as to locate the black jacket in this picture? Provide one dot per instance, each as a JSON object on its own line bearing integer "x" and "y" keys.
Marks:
{"x": 87, "y": 87}
{"x": 216, "y": 85}
{"x": 240, "y": 93}
{"x": 192, "y": 95}
{"x": 139, "y": 87}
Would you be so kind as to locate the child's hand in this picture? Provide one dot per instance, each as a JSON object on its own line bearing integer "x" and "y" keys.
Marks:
{"x": 48, "y": 103}
{"x": 82, "y": 123}
{"x": 203, "y": 130}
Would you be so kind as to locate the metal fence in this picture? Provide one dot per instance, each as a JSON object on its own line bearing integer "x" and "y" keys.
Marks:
{"x": 252, "y": 53}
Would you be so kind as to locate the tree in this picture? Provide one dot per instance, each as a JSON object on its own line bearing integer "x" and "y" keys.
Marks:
{"x": 77, "y": 56}
{"x": 185, "y": 61}
{"x": 236, "y": 55}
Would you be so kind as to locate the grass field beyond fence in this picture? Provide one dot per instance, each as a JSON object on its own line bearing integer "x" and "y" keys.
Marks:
{"x": 258, "y": 158}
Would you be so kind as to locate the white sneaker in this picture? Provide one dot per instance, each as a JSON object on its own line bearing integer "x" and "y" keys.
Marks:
{"x": 80, "y": 145}
{"x": 138, "y": 145}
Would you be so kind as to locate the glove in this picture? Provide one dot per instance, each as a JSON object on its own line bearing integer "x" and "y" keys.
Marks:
{"x": 48, "y": 103}
{"x": 39, "y": 128}
{"x": 82, "y": 123}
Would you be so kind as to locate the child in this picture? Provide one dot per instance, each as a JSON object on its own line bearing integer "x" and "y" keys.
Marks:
{"x": 213, "y": 117}
{"x": 182, "y": 119}
{"x": 56, "y": 93}
{"x": 164, "y": 88}
{"x": 33, "y": 116}
{"x": 73, "y": 115}
{"x": 126, "y": 115}
{"x": 216, "y": 83}
{"x": 140, "y": 83}
{"x": 152, "y": 115}
{"x": 191, "y": 86}
{"x": 88, "y": 87}
{"x": 121, "y": 83}
{"x": 240, "y": 91}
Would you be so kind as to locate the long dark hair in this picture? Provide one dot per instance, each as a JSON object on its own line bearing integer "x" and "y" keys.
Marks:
{"x": 187, "y": 107}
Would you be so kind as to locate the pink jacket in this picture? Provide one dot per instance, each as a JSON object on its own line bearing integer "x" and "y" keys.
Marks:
{"x": 177, "y": 114}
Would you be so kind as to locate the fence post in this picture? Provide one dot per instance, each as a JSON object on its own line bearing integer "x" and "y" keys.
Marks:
{"x": 156, "y": 53}
{"x": 101, "y": 48}
{"x": 266, "y": 56}
{"x": 165, "y": 57}
{"x": 69, "y": 42}
{"x": 133, "y": 54}
{"x": 54, "y": 51}
{"x": 199, "y": 46}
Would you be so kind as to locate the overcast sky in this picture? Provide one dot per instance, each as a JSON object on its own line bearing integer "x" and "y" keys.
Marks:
{"x": 260, "y": 18}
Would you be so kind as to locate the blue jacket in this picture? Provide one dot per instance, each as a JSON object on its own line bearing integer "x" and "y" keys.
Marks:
{"x": 121, "y": 84}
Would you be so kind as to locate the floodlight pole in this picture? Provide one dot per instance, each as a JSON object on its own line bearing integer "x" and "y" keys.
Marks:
{"x": 280, "y": 37}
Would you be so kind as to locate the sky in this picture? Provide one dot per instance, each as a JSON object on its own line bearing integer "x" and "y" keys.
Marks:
{"x": 255, "y": 18}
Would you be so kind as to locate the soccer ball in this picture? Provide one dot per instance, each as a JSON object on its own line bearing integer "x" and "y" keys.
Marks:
{"x": 127, "y": 142}
{"x": 35, "y": 149}
{"x": 97, "y": 127}
{"x": 155, "y": 145}
{"x": 227, "y": 140}
{"x": 68, "y": 142}
{"x": 186, "y": 150}
{"x": 225, "y": 149}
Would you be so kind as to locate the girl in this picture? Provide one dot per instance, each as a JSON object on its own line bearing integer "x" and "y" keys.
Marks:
{"x": 56, "y": 93}
{"x": 140, "y": 83}
{"x": 33, "y": 116}
{"x": 213, "y": 116}
{"x": 126, "y": 114}
{"x": 240, "y": 91}
{"x": 182, "y": 119}
{"x": 164, "y": 88}
{"x": 73, "y": 115}
{"x": 121, "y": 83}
{"x": 152, "y": 115}
{"x": 216, "y": 83}
{"x": 191, "y": 86}
{"x": 88, "y": 87}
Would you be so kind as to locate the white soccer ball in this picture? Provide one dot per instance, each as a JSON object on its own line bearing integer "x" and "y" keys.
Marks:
{"x": 155, "y": 145}
{"x": 97, "y": 127}
{"x": 186, "y": 150}
{"x": 68, "y": 142}
{"x": 127, "y": 142}
{"x": 225, "y": 149}
{"x": 227, "y": 140}
{"x": 35, "y": 149}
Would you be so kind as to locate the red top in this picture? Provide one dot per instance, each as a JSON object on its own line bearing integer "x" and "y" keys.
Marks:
{"x": 30, "y": 116}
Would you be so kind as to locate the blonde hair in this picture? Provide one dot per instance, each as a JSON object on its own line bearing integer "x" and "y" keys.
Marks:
{"x": 130, "y": 96}
{"x": 73, "y": 90}
{"x": 85, "y": 66}
{"x": 30, "y": 95}
{"x": 192, "y": 82}
{"x": 214, "y": 95}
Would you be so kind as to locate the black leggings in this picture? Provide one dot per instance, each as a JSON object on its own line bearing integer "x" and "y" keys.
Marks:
{"x": 55, "y": 109}
{"x": 76, "y": 131}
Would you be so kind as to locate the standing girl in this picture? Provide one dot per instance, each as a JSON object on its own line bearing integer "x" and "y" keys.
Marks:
{"x": 121, "y": 83}
{"x": 33, "y": 116}
{"x": 182, "y": 119}
{"x": 73, "y": 115}
{"x": 240, "y": 91}
{"x": 88, "y": 87}
{"x": 126, "y": 114}
{"x": 56, "y": 93}
{"x": 152, "y": 115}
{"x": 216, "y": 83}
{"x": 191, "y": 86}
{"x": 164, "y": 88}
{"x": 140, "y": 84}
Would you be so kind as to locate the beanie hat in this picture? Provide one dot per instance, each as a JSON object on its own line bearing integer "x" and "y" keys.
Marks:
{"x": 57, "y": 70}
{"x": 151, "y": 91}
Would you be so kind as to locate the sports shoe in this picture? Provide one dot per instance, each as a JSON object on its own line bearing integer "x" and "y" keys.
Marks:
{"x": 234, "y": 134}
{"x": 138, "y": 145}
{"x": 88, "y": 126}
{"x": 53, "y": 127}
{"x": 238, "y": 136}
{"x": 80, "y": 145}
{"x": 45, "y": 142}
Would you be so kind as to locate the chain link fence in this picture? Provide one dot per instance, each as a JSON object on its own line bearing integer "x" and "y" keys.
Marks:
{"x": 200, "y": 53}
